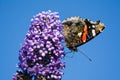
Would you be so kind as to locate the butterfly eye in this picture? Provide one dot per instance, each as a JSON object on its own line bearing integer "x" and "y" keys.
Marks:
{"x": 69, "y": 23}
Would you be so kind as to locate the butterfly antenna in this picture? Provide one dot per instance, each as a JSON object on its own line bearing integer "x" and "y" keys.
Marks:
{"x": 83, "y": 53}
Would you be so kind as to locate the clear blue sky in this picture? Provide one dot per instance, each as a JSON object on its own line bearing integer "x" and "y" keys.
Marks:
{"x": 104, "y": 50}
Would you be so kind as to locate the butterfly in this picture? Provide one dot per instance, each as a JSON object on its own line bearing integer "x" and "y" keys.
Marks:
{"x": 78, "y": 31}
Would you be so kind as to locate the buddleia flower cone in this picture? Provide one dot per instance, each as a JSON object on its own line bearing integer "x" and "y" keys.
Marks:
{"x": 40, "y": 56}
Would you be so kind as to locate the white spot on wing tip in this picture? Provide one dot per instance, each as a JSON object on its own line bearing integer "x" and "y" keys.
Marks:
{"x": 93, "y": 32}
{"x": 93, "y": 26}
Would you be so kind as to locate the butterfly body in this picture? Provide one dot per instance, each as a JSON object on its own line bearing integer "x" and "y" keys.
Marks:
{"x": 78, "y": 31}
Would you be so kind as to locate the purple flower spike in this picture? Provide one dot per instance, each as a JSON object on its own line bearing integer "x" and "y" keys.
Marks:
{"x": 41, "y": 53}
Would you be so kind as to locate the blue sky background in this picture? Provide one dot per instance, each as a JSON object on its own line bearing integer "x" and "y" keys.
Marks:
{"x": 104, "y": 50}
